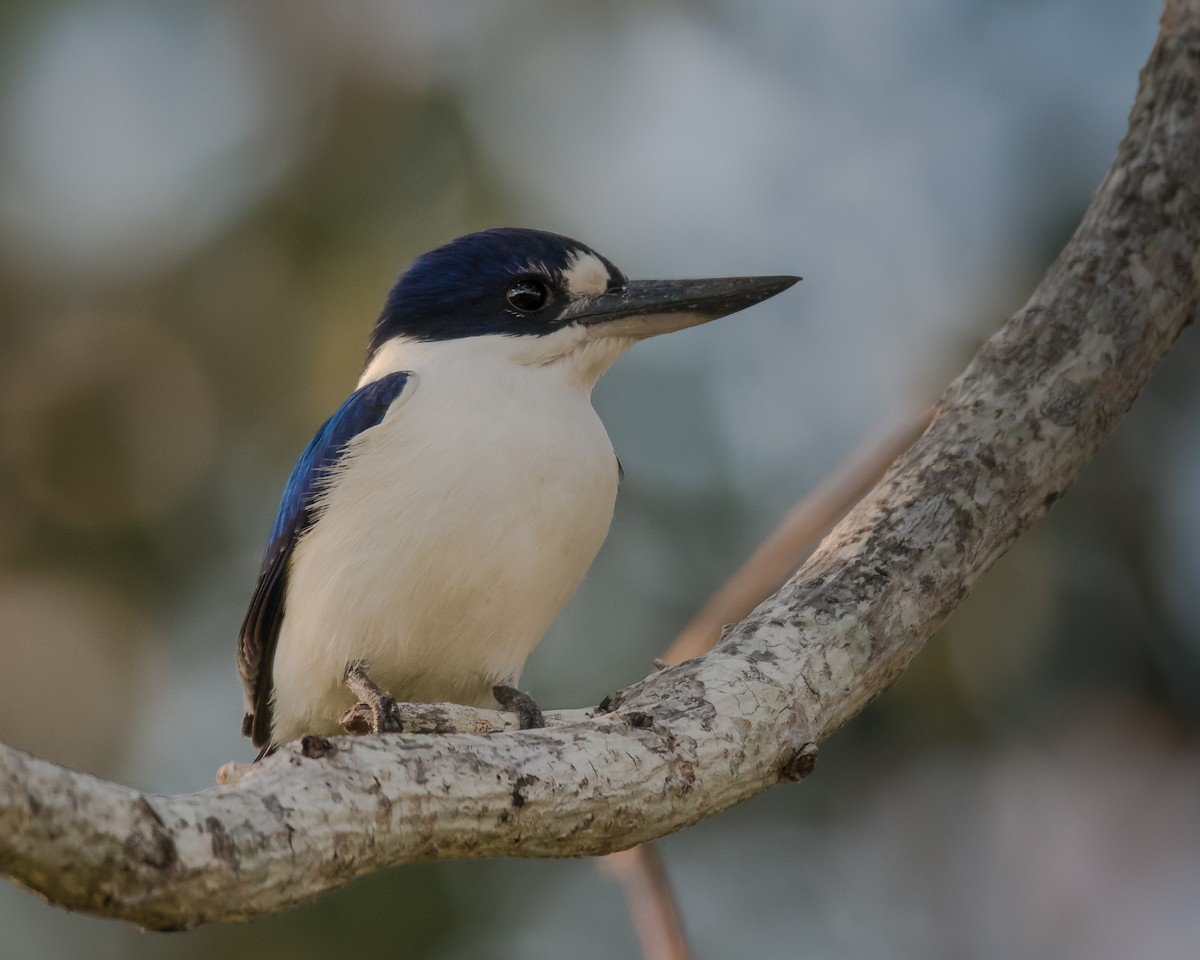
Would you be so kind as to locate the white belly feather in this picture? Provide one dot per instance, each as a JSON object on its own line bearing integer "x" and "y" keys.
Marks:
{"x": 454, "y": 534}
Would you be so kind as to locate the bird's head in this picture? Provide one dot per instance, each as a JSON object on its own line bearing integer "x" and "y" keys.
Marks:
{"x": 540, "y": 298}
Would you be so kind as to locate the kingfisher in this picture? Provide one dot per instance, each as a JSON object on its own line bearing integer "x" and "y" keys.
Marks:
{"x": 438, "y": 522}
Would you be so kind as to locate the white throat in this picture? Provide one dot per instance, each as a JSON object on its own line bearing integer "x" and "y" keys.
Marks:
{"x": 574, "y": 353}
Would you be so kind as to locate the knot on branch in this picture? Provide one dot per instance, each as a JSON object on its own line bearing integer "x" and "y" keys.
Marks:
{"x": 800, "y": 764}
{"x": 314, "y": 747}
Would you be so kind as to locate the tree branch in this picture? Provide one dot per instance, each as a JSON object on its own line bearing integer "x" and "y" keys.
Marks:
{"x": 1008, "y": 438}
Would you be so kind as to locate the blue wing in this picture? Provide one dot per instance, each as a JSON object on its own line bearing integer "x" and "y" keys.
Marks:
{"x": 362, "y": 410}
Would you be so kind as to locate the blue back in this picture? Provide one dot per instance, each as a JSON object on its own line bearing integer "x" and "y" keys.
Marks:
{"x": 363, "y": 409}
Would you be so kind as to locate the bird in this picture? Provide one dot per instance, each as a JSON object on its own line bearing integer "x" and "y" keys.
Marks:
{"x": 440, "y": 519}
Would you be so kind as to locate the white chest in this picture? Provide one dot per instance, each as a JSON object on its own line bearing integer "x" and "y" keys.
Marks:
{"x": 454, "y": 534}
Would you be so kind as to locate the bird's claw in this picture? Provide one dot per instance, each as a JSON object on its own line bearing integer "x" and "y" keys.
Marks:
{"x": 376, "y": 711}
{"x": 380, "y": 717}
{"x": 529, "y": 717}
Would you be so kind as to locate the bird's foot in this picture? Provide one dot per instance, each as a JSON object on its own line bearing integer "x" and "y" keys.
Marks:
{"x": 376, "y": 710}
{"x": 529, "y": 716}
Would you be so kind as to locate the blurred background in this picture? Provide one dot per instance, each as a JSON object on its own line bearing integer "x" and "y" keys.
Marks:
{"x": 202, "y": 206}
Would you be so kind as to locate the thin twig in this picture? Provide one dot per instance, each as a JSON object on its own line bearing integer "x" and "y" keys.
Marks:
{"x": 639, "y": 870}
{"x": 651, "y": 901}
{"x": 797, "y": 535}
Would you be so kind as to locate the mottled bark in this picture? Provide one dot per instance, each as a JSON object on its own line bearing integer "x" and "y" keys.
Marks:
{"x": 1009, "y": 437}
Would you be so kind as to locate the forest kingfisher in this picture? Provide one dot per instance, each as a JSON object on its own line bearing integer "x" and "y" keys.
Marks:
{"x": 440, "y": 519}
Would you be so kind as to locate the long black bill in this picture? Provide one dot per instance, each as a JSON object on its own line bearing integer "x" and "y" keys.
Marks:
{"x": 646, "y": 308}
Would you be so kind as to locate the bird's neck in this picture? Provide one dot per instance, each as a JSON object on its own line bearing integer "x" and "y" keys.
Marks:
{"x": 568, "y": 355}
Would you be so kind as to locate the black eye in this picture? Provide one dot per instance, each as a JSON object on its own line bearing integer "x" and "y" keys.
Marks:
{"x": 528, "y": 295}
